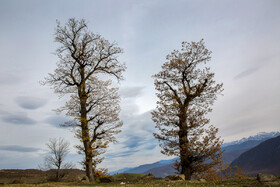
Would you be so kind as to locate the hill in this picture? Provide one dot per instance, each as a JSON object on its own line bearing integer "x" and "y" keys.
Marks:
{"x": 264, "y": 158}
{"x": 146, "y": 167}
{"x": 232, "y": 150}
{"x": 162, "y": 171}
{"x": 35, "y": 176}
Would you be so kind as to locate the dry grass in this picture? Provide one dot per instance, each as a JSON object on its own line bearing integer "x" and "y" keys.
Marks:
{"x": 133, "y": 180}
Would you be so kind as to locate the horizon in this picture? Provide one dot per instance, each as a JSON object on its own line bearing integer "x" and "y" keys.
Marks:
{"x": 243, "y": 37}
{"x": 168, "y": 159}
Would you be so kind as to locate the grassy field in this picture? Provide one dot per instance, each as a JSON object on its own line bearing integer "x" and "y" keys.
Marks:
{"x": 133, "y": 180}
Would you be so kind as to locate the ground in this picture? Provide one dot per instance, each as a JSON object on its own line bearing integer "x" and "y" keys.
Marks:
{"x": 26, "y": 178}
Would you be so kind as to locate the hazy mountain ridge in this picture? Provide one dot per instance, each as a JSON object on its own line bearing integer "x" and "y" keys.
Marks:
{"x": 260, "y": 136}
{"x": 145, "y": 167}
{"x": 232, "y": 151}
{"x": 162, "y": 171}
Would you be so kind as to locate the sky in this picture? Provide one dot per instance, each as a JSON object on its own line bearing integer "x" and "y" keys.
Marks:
{"x": 243, "y": 36}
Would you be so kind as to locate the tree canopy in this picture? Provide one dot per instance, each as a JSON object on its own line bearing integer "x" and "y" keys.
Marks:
{"x": 94, "y": 104}
{"x": 186, "y": 90}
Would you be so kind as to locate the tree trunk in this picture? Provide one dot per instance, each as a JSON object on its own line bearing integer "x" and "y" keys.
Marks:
{"x": 58, "y": 171}
{"x": 183, "y": 144}
{"x": 185, "y": 162}
{"x": 85, "y": 129}
{"x": 186, "y": 169}
{"x": 89, "y": 171}
{"x": 87, "y": 146}
{"x": 57, "y": 174}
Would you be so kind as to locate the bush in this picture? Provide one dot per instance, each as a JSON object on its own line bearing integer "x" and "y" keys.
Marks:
{"x": 101, "y": 173}
{"x": 223, "y": 171}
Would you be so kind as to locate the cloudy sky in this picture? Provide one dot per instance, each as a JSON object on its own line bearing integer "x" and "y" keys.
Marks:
{"x": 243, "y": 36}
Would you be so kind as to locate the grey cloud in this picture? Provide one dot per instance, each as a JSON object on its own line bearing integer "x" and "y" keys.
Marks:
{"x": 151, "y": 146}
{"x": 30, "y": 103}
{"x": 131, "y": 92}
{"x": 148, "y": 124}
{"x": 246, "y": 73}
{"x": 133, "y": 142}
{"x": 121, "y": 154}
{"x": 57, "y": 121}
{"x": 18, "y": 119}
{"x": 9, "y": 78}
{"x": 18, "y": 148}
{"x": 138, "y": 129}
{"x": 141, "y": 141}
{"x": 137, "y": 134}
{"x": 20, "y": 160}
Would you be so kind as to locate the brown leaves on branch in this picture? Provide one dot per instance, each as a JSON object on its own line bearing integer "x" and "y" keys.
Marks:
{"x": 186, "y": 90}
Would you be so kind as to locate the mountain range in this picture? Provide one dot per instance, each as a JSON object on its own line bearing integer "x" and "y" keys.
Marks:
{"x": 258, "y": 137}
{"x": 264, "y": 158}
{"x": 232, "y": 151}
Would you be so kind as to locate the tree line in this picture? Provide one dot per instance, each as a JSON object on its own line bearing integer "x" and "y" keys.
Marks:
{"x": 185, "y": 87}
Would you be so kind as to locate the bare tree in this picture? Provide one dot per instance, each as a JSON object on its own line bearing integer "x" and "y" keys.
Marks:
{"x": 59, "y": 148}
{"x": 186, "y": 91}
{"x": 83, "y": 56}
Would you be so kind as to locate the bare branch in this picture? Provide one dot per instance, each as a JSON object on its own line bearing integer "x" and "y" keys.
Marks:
{"x": 84, "y": 55}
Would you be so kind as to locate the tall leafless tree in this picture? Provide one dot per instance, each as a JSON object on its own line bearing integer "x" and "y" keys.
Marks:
{"x": 59, "y": 148}
{"x": 83, "y": 56}
{"x": 186, "y": 91}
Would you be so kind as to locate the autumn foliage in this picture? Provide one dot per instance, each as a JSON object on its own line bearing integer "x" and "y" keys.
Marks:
{"x": 101, "y": 172}
{"x": 186, "y": 90}
{"x": 222, "y": 171}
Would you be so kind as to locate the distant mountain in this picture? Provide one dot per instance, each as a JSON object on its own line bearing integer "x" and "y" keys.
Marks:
{"x": 145, "y": 167}
{"x": 232, "y": 151}
{"x": 244, "y": 145}
{"x": 259, "y": 137}
{"x": 162, "y": 171}
{"x": 229, "y": 156}
{"x": 264, "y": 158}
{"x": 120, "y": 171}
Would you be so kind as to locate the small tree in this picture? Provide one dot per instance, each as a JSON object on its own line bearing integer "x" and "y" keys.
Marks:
{"x": 222, "y": 171}
{"x": 59, "y": 148}
{"x": 83, "y": 56}
{"x": 186, "y": 91}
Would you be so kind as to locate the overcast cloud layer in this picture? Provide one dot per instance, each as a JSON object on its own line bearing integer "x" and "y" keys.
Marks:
{"x": 243, "y": 35}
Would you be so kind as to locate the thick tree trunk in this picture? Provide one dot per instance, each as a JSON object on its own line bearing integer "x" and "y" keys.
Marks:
{"x": 87, "y": 146}
{"x": 89, "y": 171}
{"x": 85, "y": 128}
{"x": 88, "y": 152}
{"x": 184, "y": 157}
{"x": 186, "y": 169}
{"x": 183, "y": 144}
